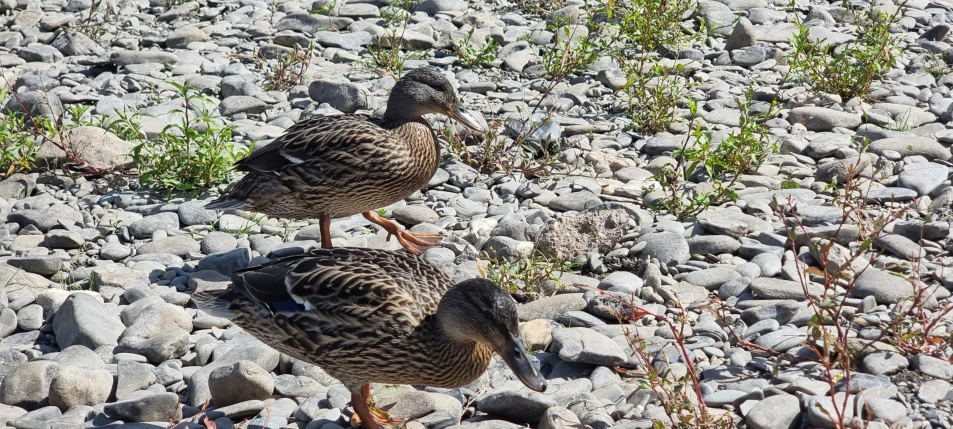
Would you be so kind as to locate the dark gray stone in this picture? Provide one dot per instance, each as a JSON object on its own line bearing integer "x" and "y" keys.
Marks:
{"x": 159, "y": 407}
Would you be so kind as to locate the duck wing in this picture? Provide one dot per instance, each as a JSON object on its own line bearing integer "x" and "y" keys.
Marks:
{"x": 328, "y": 142}
{"x": 335, "y": 299}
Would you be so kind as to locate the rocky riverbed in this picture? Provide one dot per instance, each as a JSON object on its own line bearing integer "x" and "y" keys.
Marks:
{"x": 98, "y": 329}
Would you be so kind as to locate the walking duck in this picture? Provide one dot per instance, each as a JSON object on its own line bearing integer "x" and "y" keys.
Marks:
{"x": 366, "y": 315}
{"x": 327, "y": 167}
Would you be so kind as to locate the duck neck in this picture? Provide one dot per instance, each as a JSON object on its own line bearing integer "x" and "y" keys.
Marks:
{"x": 398, "y": 111}
{"x": 452, "y": 319}
{"x": 454, "y": 361}
{"x": 455, "y": 343}
{"x": 446, "y": 336}
{"x": 420, "y": 141}
{"x": 396, "y": 118}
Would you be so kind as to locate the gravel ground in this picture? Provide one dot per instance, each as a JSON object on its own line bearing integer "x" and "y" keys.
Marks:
{"x": 98, "y": 329}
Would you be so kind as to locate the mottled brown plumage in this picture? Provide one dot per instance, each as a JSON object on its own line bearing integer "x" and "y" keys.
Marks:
{"x": 349, "y": 164}
{"x": 366, "y": 315}
{"x": 326, "y": 167}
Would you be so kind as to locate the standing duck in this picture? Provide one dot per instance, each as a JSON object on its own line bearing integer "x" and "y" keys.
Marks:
{"x": 328, "y": 167}
{"x": 376, "y": 316}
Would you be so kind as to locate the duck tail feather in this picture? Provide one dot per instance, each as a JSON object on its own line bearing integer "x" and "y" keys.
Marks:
{"x": 216, "y": 303}
{"x": 226, "y": 203}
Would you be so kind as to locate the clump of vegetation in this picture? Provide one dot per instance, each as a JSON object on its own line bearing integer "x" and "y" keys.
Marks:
{"x": 912, "y": 326}
{"x": 677, "y": 392}
{"x": 125, "y": 126}
{"x": 185, "y": 158}
{"x": 639, "y": 36}
{"x": 935, "y": 65}
{"x": 94, "y": 25}
{"x": 472, "y": 57}
{"x": 194, "y": 154}
{"x": 643, "y": 31}
{"x": 22, "y": 133}
{"x": 572, "y": 51}
{"x": 325, "y": 8}
{"x": 653, "y": 97}
{"x": 288, "y": 68}
{"x": 680, "y": 397}
{"x": 526, "y": 274}
{"x": 537, "y": 7}
{"x": 850, "y": 69}
{"x": 722, "y": 163}
{"x": 386, "y": 54}
{"x": 17, "y": 144}
{"x": 520, "y": 151}
{"x": 77, "y": 115}
{"x": 495, "y": 152}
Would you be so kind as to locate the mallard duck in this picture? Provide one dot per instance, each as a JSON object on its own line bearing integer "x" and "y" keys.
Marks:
{"x": 366, "y": 315}
{"x": 327, "y": 167}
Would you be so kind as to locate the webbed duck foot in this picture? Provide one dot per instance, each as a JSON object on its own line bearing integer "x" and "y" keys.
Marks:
{"x": 366, "y": 416}
{"x": 411, "y": 241}
{"x": 377, "y": 422}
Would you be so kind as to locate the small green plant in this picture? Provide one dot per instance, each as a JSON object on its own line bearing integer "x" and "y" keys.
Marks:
{"x": 537, "y": 7}
{"x": 94, "y": 25}
{"x": 386, "y": 54}
{"x": 91, "y": 284}
{"x": 643, "y": 31}
{"x": 17, "y": 144}
{"x": 125, "y": 126}
{"x": 248, "y": 225}
{"x": 288, "y": 69}
{"x": 834, "y": 271}
{"x": 526, "y": 274}
{"x": 391, "y": 58}
{"x": 902, "y": 121}
{"x": 935, "y": 65}
{"x": 572, "y": 52}
{"x": 654, "y": 96}
{"x": 186, "y": 159}
{"x": 679, "y": 394}
{"x": 77, "y": 116}
{"x": 325, "y": 8}
{"x": 498, "y": 153}
{"x": 679, "y": 397}
{"x": 651, "y": 24}
{"x": 472, "y": 57}
{"x": 53, "y": 130}
{"x": 723, "y": 163}
{"x": 850, "y": 69}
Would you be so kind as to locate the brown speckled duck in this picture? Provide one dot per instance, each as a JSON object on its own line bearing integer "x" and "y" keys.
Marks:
{"x": 327, "y": 167}
{"x": 376, "y": 316}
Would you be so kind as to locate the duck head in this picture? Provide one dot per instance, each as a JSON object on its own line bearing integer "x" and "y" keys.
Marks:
{"x": 480, "y": 310}
{"x": 426, "y": 90}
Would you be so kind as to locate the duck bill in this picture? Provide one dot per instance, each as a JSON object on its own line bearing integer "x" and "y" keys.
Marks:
{"x": 460, "y": 115}
{"x": 514, "y": 354}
